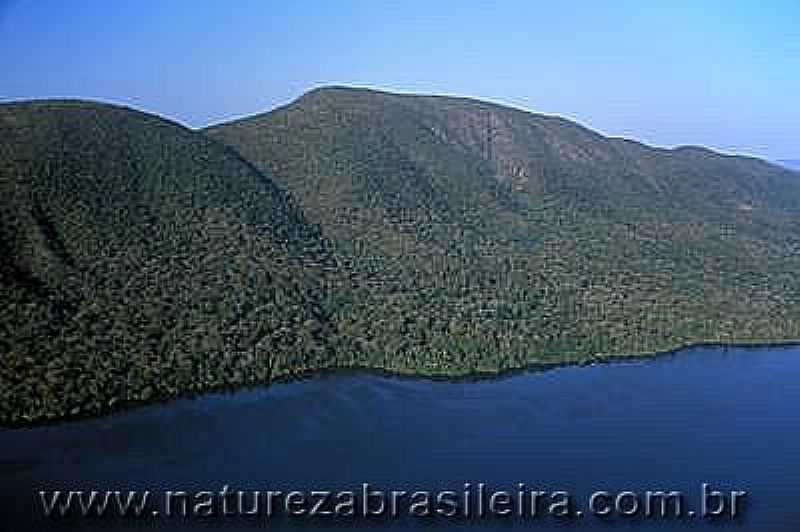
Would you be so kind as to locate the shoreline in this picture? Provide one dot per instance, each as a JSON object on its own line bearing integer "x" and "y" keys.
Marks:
{"x": 533, "y": 367}
{"x": 466, "y": 377}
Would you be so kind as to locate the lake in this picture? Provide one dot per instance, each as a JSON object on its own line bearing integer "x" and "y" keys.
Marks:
{"x": 727, "y": 417}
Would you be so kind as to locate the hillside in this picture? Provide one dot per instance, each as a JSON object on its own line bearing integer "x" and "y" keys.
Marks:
{"x": 481, "y": 237}
{"x": 141, "y": 260}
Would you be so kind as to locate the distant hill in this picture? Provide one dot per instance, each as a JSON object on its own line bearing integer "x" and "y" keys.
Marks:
{"x": 483, "y": 237}
{"x": 141, "y": 260}
{"x": 793, "y": 164}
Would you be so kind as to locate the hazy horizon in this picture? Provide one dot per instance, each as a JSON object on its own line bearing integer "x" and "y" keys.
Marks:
{"x": 719, "y": 75}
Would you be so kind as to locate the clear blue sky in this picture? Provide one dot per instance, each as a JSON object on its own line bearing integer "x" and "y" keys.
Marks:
{"x": 723, "y": 74}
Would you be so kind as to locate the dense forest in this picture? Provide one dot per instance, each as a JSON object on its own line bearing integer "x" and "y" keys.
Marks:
{"x": 142, "y": 260}
{"x": 480, "y": 237}
{"x": 430, "y": 235}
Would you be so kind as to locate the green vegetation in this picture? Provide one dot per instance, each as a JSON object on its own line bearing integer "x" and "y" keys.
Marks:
{"x": 480, "y": 237}
{"x": 353, "y": 228}
{"x": 141, "y": 260}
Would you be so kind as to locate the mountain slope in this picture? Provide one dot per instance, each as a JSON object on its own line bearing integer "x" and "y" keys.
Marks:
{"x": 480, "y": 237}
{"x": 142, "y": 260}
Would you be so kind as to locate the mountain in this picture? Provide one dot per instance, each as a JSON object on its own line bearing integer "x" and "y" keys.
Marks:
{"x": 141, "y": 260}
{"x": 480, "y": 237}
{"x": 792, "y": 164}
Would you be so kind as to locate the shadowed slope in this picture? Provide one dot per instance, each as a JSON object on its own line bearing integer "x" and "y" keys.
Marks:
{"x": 141, "y": 260}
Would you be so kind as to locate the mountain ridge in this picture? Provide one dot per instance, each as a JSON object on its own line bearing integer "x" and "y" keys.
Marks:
{"x": 323, "y": 88}
{"x": 418, "y": 234}
{"x": 364, "y": 90}
{"x": 454, "y": 186}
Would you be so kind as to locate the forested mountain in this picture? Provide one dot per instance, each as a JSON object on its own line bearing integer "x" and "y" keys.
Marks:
{"x": 482, "y": 237}
{"x": 141, "y": 260}
{"x": 419, "y": 234}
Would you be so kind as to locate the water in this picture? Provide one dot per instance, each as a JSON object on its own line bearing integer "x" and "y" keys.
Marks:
{"x": 727, "y": 417}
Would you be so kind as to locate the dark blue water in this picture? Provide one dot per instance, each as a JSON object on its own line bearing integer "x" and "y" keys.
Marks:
{"x": 726, "y": 417}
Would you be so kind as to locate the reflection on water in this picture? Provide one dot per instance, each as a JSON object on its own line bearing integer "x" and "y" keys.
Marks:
{"x": 728, "y": 417}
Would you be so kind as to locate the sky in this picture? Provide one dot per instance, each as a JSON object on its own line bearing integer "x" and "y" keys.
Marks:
{"x": 721, "y": 74}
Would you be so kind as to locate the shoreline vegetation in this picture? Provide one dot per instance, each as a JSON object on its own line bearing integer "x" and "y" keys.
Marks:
{"x": 425, "y": 235}
{"x": 533, "y": 367}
